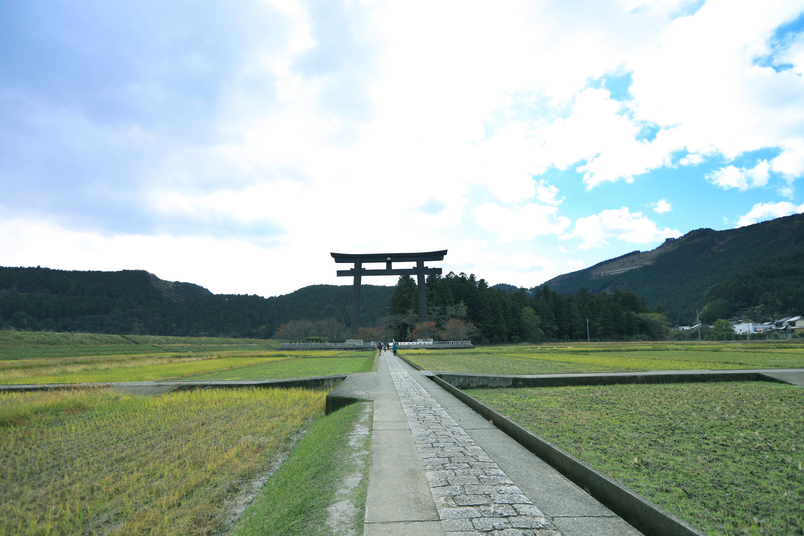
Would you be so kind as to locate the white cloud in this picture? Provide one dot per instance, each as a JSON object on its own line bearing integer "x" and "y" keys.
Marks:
{"x": 692, "y": 159}
{"x": 741, "y": 178}
{"x": 790, "y": 163}
{"x": 574, "y": 266}
{"x": 704, "y": 81}
{"x": 521, "y": 269}
{"x": 600, "y": 132}
{"x": 464, "y": 256}
{"x": 792, "y": 53}
{"x": 504, "y": 164}
{"x": 662, "y": 206}
{"x": 496, "y": 266}
{"x": 767, "y": 211}
{"x": 619, "y": 224}
{"x": 523, "y": 223}
{"x": 547, "y": 194}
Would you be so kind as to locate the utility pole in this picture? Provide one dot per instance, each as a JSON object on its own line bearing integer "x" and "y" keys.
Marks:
{"x": 698, "y": 318}
{"x": 588, "y": 339}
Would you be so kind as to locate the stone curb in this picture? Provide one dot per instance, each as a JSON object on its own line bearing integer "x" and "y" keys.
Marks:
{"x": 644, "y": 515}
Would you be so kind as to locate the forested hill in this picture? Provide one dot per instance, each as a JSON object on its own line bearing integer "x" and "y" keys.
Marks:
{"x": 134, "y": 301}
{"x": 704, "y": 265}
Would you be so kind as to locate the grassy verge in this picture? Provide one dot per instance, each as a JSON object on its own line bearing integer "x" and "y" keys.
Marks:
{"x": 95, "y": 461}
{"x": 571, "y": 358}
{"x": 297, "y": 499}
{"x": 727, "y": 457}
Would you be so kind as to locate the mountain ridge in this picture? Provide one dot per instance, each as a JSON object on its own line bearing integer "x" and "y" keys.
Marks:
{"x": 682, "y": 274}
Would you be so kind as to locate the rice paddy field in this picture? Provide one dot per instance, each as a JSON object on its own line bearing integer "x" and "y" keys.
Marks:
{"x": 726, "y": 457}
{"x": 97, "y": 461}
{"x": 612, "y": 357}
{"x": 42, "y": 358}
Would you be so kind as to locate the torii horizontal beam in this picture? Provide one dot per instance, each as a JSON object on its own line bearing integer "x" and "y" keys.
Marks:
{"x": 393, "y": 271}
{"x": 388, "y": 258}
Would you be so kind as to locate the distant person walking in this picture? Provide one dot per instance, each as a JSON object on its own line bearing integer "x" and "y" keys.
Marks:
{"x": 394, "y": 347}
{"x": 379, "y": 347}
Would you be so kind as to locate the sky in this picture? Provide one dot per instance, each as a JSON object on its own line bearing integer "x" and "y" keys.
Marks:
{"x": 234, "y": 145}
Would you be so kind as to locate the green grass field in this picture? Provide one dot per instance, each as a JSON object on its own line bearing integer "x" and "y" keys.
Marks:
{"x": 576, "y": 358}
{"x": 727, "y": 457}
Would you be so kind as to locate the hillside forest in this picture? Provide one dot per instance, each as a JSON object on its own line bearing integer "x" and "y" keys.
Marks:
{"x": 460, "y": 307}
{"x": 137, "y": 302}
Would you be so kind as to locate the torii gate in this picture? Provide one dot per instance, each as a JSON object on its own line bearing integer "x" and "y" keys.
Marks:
{"x": 388, "y": 258}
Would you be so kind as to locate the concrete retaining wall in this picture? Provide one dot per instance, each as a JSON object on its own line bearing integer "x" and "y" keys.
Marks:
{"x": 494, "y": 381}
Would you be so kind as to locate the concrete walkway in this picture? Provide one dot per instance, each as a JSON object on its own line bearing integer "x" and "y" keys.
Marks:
{"x": 438, "y": 468}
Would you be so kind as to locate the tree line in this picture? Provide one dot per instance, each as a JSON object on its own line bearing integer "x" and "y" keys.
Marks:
{"x": 460, "y": 307}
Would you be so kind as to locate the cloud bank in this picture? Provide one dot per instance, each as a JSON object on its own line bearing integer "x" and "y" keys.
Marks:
{"x": 524, "y": 137}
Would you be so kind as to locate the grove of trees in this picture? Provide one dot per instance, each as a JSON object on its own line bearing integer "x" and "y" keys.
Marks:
{"x": 461, "y": 306}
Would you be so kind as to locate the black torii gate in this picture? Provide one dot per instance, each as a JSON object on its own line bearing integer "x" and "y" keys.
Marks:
{"x": 388, "y": 258}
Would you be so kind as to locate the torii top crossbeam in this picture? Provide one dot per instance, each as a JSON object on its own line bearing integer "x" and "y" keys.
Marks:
{"x": 420, "y": 271}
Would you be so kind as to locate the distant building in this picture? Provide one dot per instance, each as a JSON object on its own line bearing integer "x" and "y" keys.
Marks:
{"x": 793, "y": 324}
{"x": 764, "y": 328}
{"x": 784, "y": 327}
{"x": 743, "y": 328}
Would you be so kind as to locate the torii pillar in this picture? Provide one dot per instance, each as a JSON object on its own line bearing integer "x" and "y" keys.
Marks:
{"x": 420, "y": 271}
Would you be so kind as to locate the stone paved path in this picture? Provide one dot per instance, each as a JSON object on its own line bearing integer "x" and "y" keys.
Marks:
{"x": 472, "y": 494}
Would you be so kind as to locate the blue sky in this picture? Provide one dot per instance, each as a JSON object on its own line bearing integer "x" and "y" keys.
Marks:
{"x": 236, "y": 144}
